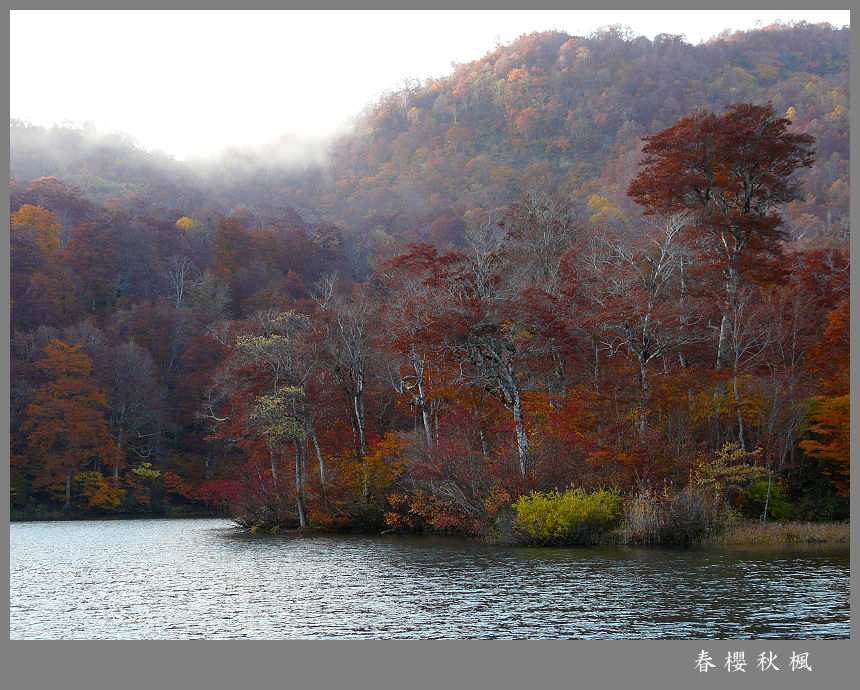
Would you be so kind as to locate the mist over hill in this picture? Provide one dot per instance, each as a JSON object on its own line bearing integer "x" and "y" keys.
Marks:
{"x": 548, "y": 109}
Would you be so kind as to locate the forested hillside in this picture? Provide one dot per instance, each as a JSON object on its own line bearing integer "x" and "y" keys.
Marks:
{"x": 550, "y": 108}
{"x": 488, "y": 288}
{"x": 555, "y": 109}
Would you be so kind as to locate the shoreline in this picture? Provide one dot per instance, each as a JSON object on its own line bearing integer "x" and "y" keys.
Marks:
{"x": 747, "y": 534}
{"x": 794, "y": 533}
{"x": 117, "y": 516}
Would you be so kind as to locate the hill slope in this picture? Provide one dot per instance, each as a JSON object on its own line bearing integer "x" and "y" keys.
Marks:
{"x": 548, "y": 109}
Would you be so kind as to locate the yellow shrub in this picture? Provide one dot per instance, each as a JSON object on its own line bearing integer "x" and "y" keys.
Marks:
{"x": 574, "y": 517}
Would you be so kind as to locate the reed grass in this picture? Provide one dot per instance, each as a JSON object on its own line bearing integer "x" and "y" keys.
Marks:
{"x": 755, "y": 533}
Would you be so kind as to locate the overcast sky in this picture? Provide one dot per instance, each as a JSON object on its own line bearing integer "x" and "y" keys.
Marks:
{"x": 191, "y": 82}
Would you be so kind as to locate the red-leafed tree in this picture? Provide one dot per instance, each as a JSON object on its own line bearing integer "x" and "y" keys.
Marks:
{"x": 496, "y": 324}
{"x": 414, "y": 349}
{"x": 630, "y": 292}
{"x": 733, "y": 173}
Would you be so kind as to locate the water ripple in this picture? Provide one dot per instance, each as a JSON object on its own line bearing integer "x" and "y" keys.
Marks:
{"x": 171, "y": 579}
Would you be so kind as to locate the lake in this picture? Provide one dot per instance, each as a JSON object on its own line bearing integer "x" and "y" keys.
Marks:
{"x": 203, "y": 578}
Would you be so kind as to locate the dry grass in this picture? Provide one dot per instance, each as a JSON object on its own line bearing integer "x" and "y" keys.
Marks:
{"x": 781, "y": 533}
{"x": 688, "y": 517}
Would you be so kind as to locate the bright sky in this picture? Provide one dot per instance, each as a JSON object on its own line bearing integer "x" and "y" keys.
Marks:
{"x": 191, "y": 82}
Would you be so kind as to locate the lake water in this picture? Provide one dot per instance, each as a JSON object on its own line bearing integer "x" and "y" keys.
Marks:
{"x": 203, "y": 578}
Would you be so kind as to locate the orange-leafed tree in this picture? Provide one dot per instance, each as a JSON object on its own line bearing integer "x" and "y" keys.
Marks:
{"x": 830, "y": 441}
{"x": 830, "y": 359}
{"x": 65, "y": 425}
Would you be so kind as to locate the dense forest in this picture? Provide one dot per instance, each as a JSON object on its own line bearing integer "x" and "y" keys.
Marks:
{"x": 607, "y": 269}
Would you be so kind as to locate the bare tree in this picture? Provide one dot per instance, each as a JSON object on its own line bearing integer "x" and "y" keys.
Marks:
{"x": 178, "y": 272}
{"x": 492, "y": 307}
{"x": 344, "y": 326}
{"x": 633, "y": 288}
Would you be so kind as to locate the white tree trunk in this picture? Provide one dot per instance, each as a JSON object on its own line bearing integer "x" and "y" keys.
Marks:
{"x": 522, "y": 440}
{"x": 724, "y": 343}
{"x": 319, "y": 456}
{"x": 300, "y": 500}
{"x": 358, "y": 404}
{"x": 425, "y": 417}
{"x": 485, "y": 446}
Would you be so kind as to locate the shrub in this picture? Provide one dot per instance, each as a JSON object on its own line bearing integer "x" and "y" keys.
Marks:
{"x": 574, "y": 517}
{"x": 683, "y": 518}
{"x": 692, "y": 516}
{"x": 756, "y": 495}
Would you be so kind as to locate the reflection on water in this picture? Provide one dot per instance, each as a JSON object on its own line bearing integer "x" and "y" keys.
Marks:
{"x": 204, "y": 579}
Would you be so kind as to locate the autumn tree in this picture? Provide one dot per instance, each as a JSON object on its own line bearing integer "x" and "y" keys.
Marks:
{"x": 260, "y": 391}
{"x": 185, "y": 224}
{"x": 135, "y": 400}
{"x": 283, "y": 349}
{"x": 65, "y": 423}
{"x": 494, "y": 322}
{"x": 539, "y": 228}
{"x": 344, "y": 325}
{"x": 830, "y": 439}
{"x": 278, "y": 419}
{"x": 629, "y": 287}
{"x": 830, "y": 358}
{"x": 37, "y": 283}
{"x": 91, "y": 258}
{"x": 42, "y": 227}
{"x": 230, "y": 252}
{"x": 67, "y": 202}
{"x": 733, "y": 174}
{"x": 413, "y": 350}
{"x": 180, "y": 276}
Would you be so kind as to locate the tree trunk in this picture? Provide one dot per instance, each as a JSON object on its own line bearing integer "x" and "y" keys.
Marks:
{"x": 319, "y": 456}
{"x": 767, "y": 498}
{"x": 68, "y": 503}
{"x": 425, "y": 417}
{"x": 358, "y": 404}
{"x": 522, "y": 441}
{"x": 485, "y": 446}
{"x": 300, "y": 484}
{"x": 727, "y": 325}
{"x": 643, "y": 397}
{"x": 682, "y": 326}
{"x": 740, "y": 415}
{"x": 119, "y": 454}
{"x": 724, "y": 344}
